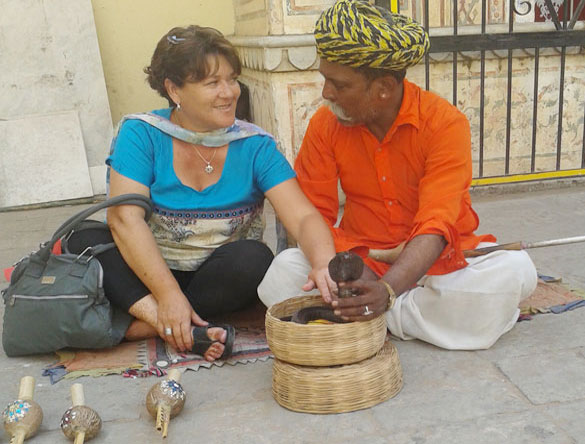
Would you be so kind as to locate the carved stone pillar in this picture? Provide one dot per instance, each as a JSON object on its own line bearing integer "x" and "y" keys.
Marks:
{"x": 275, "y": 41}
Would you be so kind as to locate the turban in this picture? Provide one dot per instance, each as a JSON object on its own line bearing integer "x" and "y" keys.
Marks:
{"x": 357, "y": 34}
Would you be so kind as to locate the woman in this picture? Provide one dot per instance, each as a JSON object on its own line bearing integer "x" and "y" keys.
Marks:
{"x": 200, "y": 253}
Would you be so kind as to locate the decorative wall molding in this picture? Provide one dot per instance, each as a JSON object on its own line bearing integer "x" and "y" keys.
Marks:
{"x": 295, "y": 53}
{"x": 282, "y": 53}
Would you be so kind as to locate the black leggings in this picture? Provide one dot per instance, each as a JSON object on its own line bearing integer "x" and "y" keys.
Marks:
{"x": 224, "y": 283}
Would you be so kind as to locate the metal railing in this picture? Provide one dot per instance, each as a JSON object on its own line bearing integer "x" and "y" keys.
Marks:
{"x": 461, "y": 39}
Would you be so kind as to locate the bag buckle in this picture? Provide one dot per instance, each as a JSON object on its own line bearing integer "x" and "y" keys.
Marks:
{"x": 90, "y": 257}
{"x": 68, "y": 235}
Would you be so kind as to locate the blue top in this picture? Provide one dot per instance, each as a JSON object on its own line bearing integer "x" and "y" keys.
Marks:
{"x": 189, "y": 224}
{"x": 145, "y": 154}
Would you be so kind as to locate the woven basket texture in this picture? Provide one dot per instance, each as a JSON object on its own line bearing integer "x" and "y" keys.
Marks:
{"x": 338, "y": 389}
{"x": 321, "y": 345}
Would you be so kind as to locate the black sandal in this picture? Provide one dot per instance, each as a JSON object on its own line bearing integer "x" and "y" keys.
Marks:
{"x": 201, "y": 341}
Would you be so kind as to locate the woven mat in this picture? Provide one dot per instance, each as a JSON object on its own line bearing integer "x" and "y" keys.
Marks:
{"x": 551, "y": 296}
{"x": 152, "y": 356}
{"x": 249, "y": 346}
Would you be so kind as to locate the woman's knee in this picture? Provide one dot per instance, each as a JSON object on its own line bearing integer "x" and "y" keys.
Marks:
{"x": 246, "y": 261}
{"x": 252, "y": 256}
{"x": 80, "y": 240}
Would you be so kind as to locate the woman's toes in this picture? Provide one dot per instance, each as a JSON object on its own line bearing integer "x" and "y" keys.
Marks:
{"x": 214, "y": 352}
{"x": 217, "y": 334}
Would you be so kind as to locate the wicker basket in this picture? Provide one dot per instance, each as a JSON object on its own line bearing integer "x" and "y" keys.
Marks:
{"x": 321, "y": 345}
{"x": 338, "y": 389}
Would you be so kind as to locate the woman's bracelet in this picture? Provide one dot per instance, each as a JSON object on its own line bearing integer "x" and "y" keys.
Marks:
{"x": 391, "y": 294}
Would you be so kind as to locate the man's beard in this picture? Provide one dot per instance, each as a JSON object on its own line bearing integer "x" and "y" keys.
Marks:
{"x": 339, "y": 113}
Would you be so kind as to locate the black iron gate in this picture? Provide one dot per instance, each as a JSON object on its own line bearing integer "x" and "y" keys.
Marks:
{"x": 568, "y": 32}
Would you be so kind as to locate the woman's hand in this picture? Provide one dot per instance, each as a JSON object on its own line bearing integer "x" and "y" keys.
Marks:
{"x": 176, "y": 313}
{"x": 319, "y": 278}
{"x": 372, "y": 299}
{"x": 302, "y": 220}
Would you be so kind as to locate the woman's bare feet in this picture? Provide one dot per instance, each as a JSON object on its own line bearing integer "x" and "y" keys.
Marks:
{"x": 216, "y": 349}
{"x": 145, "y": 310}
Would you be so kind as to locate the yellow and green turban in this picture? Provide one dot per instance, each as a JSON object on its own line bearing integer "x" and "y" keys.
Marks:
{"x": 357, "y": 34}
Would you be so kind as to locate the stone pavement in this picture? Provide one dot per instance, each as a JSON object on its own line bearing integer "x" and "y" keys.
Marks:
{"x": 528, "y": 388}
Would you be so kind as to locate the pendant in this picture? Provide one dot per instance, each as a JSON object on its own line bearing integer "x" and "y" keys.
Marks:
{"x": 209, "y": 169}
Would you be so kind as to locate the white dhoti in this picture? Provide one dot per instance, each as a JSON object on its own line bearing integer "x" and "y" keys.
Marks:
{"x": 468, "y": 309}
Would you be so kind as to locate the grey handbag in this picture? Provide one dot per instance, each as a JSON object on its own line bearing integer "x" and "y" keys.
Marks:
{"x": 56, "y": 301}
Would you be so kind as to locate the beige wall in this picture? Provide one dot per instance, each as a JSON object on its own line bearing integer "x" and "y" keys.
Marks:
{"x": 127, "y": 34}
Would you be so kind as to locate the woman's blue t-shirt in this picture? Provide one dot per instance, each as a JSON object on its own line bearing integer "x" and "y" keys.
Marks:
{"x": 145, "y": 154}
{"x": 189, "y": 225}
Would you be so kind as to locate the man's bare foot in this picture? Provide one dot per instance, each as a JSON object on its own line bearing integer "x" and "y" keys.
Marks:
{"x": 140, "y": 330}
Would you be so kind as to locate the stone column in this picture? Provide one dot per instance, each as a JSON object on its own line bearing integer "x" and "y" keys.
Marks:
{"x": 275, "y": 42}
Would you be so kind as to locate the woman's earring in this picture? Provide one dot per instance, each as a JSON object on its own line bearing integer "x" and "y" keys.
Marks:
{"x": 178, "y": 107}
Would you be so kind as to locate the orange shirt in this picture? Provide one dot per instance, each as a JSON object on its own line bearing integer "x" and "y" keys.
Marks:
{"x": 416, "y": 181}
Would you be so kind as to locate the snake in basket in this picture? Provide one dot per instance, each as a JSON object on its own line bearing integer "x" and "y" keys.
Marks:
{"x": 345, "y": 266}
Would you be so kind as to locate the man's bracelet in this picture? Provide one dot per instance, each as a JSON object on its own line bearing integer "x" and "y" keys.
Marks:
{"x": 391, "y": 294}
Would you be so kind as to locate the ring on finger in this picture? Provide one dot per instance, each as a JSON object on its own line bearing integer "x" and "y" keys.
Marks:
{"x": 168, "y": 331}
{"x": 367, "y": 311}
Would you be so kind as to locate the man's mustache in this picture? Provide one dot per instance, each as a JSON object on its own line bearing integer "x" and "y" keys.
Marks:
{"x": 337, "y": 110}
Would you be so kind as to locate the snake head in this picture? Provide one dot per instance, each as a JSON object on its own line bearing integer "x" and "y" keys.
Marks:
{"x": 346, "y": 266}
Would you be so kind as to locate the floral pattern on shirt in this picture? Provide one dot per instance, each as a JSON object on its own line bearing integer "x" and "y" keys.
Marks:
{"x": 187, "y": 238}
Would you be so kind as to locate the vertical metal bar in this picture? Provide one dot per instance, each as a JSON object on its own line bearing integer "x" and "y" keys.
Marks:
{"x": 535, "y": 110}
{"x": 427, "y": 58}
{"x": 576, "y": 14}
{"x": 566, "y": 12}
{"x": 398, "y": 6}
{"x": 561, "y": 99}
{"x": 383, "y": 4}
{"x": 482, "y": 91}
{"x": 583, "y": 153}
{"x": 455, "y": 23}
{"x": 509, "y": 95}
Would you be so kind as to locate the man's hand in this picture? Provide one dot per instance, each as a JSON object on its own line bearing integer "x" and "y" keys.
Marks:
{"x": 372, "y": 299}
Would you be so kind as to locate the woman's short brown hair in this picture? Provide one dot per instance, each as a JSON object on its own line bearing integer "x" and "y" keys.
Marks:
{"x": 181, "y": 56}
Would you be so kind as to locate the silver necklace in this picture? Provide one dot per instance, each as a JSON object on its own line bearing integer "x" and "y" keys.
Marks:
{"x": 208, "y": 168}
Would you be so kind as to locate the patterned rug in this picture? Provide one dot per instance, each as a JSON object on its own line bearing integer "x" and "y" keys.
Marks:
{"x": 154, "y": 357}
{"x": 249, "y": 346}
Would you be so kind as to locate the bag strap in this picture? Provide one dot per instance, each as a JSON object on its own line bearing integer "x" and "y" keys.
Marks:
{"x": 42, "y": 256}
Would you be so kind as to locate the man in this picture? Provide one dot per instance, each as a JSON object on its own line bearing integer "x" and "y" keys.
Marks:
{"x": 403, "y": 158}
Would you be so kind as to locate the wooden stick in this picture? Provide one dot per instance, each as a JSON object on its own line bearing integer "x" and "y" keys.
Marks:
{"x": 165, "y": 418}
{"x": 159, "y": 417}
{"x": 174, "y": 375}
{"x": 165, "y": 430}
{"x": 79, "y": 437}
{"x": 482, "y": 251}
{"x": 390, "y": 255}
{"x": 18, "y": 437}
{"x": 78, "y": 398}
{"x": 26, "y": 389}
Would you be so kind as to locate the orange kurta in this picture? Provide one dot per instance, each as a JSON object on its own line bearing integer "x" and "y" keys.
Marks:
{"x": 416, "y": 181}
